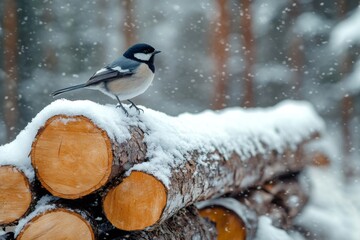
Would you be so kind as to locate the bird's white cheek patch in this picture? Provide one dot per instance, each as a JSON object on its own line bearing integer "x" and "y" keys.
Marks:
{"x": 143, "y": 56}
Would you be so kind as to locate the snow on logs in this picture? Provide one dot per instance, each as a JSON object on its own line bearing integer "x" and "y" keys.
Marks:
{"x": 154, "y": 165}
{"x": 237, "y": 217}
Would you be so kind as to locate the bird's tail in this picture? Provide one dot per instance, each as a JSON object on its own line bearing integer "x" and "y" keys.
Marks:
{"x": 60, "y": 91}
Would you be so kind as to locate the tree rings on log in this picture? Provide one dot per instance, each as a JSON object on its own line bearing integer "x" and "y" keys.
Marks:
{"x": 136, "y": 203}
{"x": 229, "y": 225}
{"x": 57, "y": 224}
{"x": 15, "y": 194}
{"x": 72, "y": 157}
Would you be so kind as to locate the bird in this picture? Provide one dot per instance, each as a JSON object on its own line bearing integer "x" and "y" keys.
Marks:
{"x": 125, "y": 78}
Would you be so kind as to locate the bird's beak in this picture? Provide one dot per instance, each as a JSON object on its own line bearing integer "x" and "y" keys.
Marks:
{"x": 156, "y": 52}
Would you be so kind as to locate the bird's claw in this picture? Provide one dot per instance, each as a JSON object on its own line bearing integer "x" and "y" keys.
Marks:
{"x": 120, "y": 106}
{"x": 136, "y": 107}
{"x": 139, "y": 110}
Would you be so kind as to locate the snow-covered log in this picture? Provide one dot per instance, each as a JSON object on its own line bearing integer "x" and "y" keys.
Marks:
{"x": 198, "y": 157}
{"x": 73, "y": 157}
{"x": 233, "y": 219}
{"x": 15, "y": 194}
{"x": 181, "y": 160}
{"x": 280, "y": 200}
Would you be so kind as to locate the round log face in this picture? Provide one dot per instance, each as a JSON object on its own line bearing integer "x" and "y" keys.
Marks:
{"x": 143, "y": 205}
{"x": 228, "y": 225}
{"x": 15, "y": 194}
{"x": 57, "y": 224}
{"x": 72, "y": 157}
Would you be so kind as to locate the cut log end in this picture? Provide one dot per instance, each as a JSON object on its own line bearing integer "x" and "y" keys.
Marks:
{"x": 229, "y": 225}
{"x": 15, "y": 194}
{"x": 143, "y": 205}
{"x": 72, "y": 157}
{"x": 57, "y": 224}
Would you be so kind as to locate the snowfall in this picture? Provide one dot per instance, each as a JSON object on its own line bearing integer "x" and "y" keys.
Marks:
{"x": 333, "y": 211}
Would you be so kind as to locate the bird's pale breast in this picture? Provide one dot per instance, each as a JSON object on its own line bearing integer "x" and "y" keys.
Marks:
{"x": 129, "y": 87}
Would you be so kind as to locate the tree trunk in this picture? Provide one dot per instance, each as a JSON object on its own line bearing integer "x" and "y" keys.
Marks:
{"x": 220, "y": 38}
{"x": 73, "y": 157}
{"x": 249, "y": 52}
{"x": 10, "y": 67}
{"x": 15, "y": 195}
{"x": 296, "y": 53}
{"x": 346, "y": 106}
{"x": 128, "y": 27}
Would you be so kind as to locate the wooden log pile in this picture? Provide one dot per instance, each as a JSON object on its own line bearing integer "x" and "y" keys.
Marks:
{"x": 102, "y": 175}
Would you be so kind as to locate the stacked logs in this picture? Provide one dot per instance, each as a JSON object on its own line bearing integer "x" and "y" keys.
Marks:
{"x": 99, "y": 192}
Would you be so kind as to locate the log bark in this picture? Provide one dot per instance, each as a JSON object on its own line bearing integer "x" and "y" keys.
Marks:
{"x": 15, "y": 194}
{"x": 72, "y": 157}
{"x": 281, "y": 199}
{"x": 57, "y": 223}
{"x": 124, "y": 203}
{"x": 237, "y": 218}
{"x": 186, "y": 224}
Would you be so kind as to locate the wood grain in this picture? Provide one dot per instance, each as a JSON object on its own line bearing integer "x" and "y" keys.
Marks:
{"x": 15, "y": 194}
{"x": 72, "y": 157}
{"x": 135, "y": 203}
{"x": 57, "y": 224}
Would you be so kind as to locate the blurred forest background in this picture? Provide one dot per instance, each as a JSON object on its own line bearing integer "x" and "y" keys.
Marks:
{"x": 215, "y": 54}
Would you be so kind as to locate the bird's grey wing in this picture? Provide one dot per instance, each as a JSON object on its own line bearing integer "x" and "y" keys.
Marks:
{"x": 124, "y": 63}
{"x": 122, "y": 67}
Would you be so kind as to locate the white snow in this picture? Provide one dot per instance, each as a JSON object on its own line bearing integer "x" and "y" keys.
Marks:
{"x": 334, "y": 209}
{"x": 266, "y": 231}
{"x": 106, "y": 117}
{"x": 170, "y": 139}
{"x": 346, "y": 33}
{"x": 41, "y": 206}
{"x": 173, "y": 137}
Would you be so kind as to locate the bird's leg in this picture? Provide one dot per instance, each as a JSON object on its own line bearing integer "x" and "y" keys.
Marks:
{"x": 121, "y": 106}
{"x": 133, "y": 105}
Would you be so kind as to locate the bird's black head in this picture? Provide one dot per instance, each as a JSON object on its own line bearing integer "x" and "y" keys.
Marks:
{"x": 142, "y": 52}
